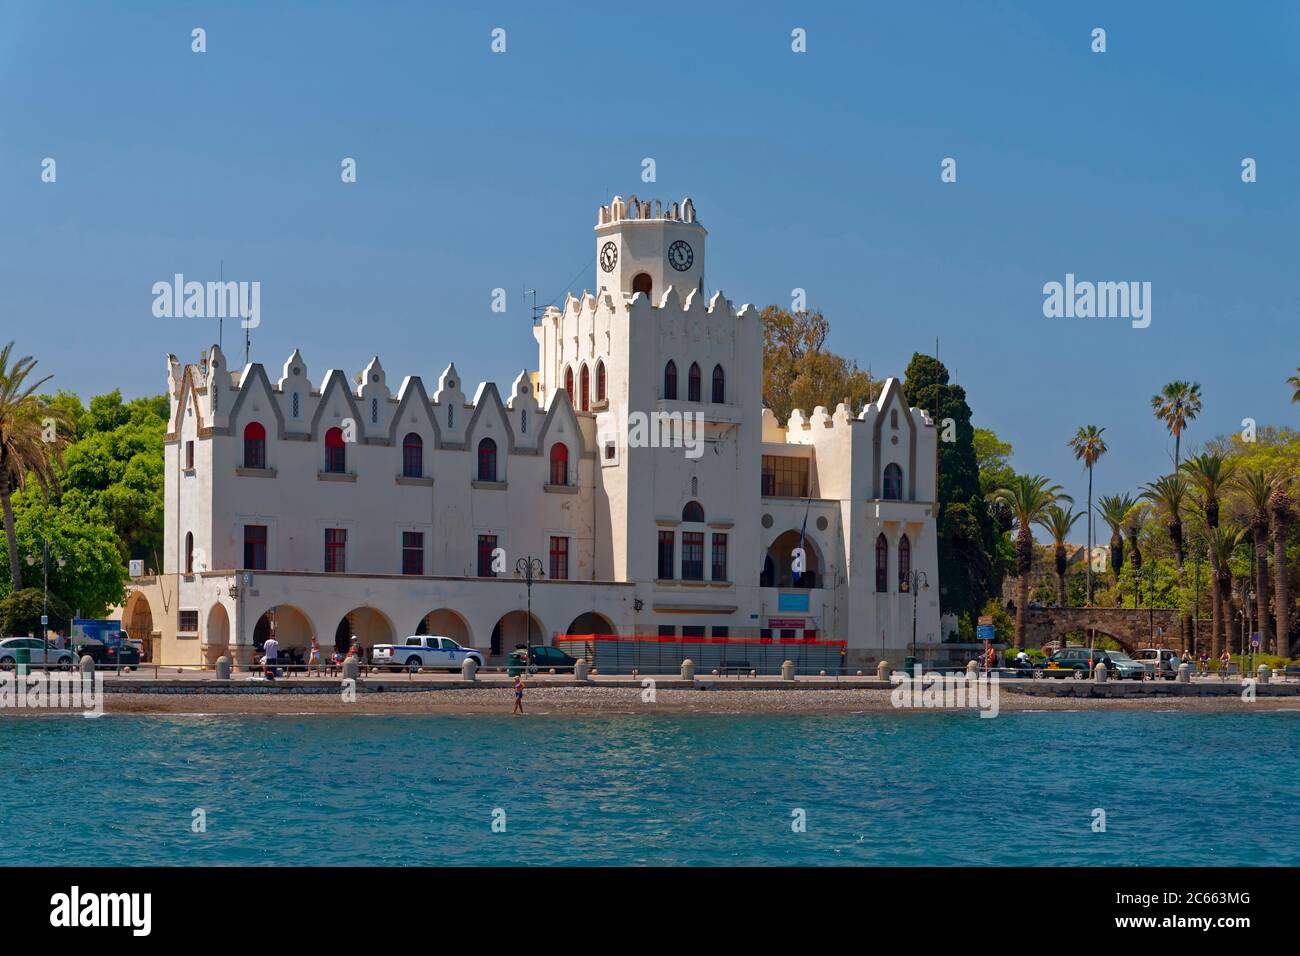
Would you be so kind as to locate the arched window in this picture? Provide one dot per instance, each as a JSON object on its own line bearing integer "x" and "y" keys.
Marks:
{"x": 254, "y": 445}
{"x": 600, "y": 381}
{"x": 336, "y": 456}
{"x": 719, "y": 385}
{"x": 559, "y": 464}
{"x": 297, "y": 410}
{"x": 586, "y": 389}
{"x": 670, "y": 380}
{"x": 374, "y": 411}
{"x": 693, "y": 383}
{"x": 451, "y": 416}
{"x": 882, "y": 565}
{"x": 487, "y": 460}
{"x": 412, "y": 456}
{"x": 189, "y": 552}
{"x": 568, "y": 382}
{"x": 904, "y": 562}
{"x": 523, "y": 421}
{"x": 893, "y": 418}
{"x": 642, "y": 283}
{"x": 893, "y": 482}
{"x": 693, "y": 512}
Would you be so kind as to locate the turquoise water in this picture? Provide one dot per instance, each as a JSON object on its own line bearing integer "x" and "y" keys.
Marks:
{"x": 911, "y": 788}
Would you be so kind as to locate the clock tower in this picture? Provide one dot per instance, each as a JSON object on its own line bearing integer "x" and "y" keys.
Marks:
{"x": 644, "y": 246}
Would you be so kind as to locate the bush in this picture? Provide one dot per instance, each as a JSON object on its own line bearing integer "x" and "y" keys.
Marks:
{"x": 20, "y": 613}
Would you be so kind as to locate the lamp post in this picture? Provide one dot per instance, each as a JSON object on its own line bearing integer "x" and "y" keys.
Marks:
{"x": 45, "y": 574}
{"x": 914, "y": 582}
{"x": 529, "y": 569}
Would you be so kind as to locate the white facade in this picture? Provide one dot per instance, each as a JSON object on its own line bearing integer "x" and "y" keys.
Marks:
{"x": 376, "y": 503}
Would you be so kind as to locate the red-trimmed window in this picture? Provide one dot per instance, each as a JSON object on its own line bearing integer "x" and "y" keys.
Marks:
{"x": 559, "y": 558}
{"x": 487, "y": 543}
{"x": 336, "y": 454}
{"x": 568, "y": 382}
{"x": 559, "y": 464}
{"x": 882, "y": 565}
{"x": 254, "y": 446}
{"x": 666, "y": 545}
{"x": 719, "y": 557}
{"x": 670, "y": 380}
{"x": 600, "y": 381}
{"x": 585, "y": 388}
{"x": 255, "y": 547}
{"x": 719, "y": 385}
{"x": 189, "y": 552}
{"x": 412, "y": 552}
{"x": 412, "y": 456}
{"x": 336, "y": 549}
{"x": 692, "y": 555}
{"x": 487, "y": 460}
{"x": 693, "y": 383}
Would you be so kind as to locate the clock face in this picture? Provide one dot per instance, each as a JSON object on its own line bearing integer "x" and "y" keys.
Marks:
{"x": 608, "y": 256}
{"x": 680, "y": 255}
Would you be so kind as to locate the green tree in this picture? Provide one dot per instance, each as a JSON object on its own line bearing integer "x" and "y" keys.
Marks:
{"x": 27, "y": 449}
{"x": 1114, "y": 510}
{"x": 971, "y": 553}
{"x": 1176, "y": 405}
{"x": 800, "y": 372}
{"x": 1255, "y": 486}
{"x": 1088, "y": 447}
{"x": 1167, "y": 495}
{"x": 1028, "y": 496}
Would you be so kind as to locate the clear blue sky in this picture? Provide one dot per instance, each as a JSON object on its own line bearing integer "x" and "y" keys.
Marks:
{"x": 818, "y": 171}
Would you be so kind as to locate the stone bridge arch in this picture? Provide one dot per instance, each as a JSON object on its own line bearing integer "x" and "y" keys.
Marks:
{"x": 1131, "y": 628}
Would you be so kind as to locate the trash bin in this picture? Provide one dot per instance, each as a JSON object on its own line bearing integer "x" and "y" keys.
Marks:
{"x": 23, "y": 659}
{"x": 909, "y": 666}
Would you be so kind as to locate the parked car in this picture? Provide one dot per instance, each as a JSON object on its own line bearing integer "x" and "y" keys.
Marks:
{"x": 1122, "y": 667}
{"x": 543, "y": 658}
{"x": 109, "y": 653}
{"x": 1067, "y": 662}
{"x": 1158, "y": 661}
{"x": 424, "y": 650}
{"x": 40, "y": 653}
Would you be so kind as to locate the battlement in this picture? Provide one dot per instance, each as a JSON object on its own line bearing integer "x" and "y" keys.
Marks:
{"x": 635, "y": 210}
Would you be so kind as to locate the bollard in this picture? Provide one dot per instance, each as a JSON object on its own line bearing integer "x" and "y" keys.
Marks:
{"x": 87, "y": 664}
{"x": 223, "y": 667}
{"x": 1184, "y": 673}
{"x": 469, "y": 669}
{"x": 688, "y": 669}
{"x": 972, "y": 671}
{"x": 882, "y": 670}
{"x": 787, "y": 670}
{"x": 1099, "y": 675}
{"x": 581, "y": 669}
{"x": 1264, "y": 673}
{"x": 351, "y": 669}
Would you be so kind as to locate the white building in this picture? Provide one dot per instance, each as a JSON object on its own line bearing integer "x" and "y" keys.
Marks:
{"x": 337, "y": 506}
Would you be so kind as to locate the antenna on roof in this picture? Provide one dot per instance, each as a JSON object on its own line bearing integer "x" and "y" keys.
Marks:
{"x": 221, "y": 318}
{"x": 536, "y": 310}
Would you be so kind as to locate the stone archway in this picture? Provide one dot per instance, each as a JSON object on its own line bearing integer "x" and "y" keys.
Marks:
{"x": 1130, "y": 628}
{"x": 511, "y": 629}
{"x": 369, "y": 625}
{"x": 590, "y": 622}
{"x": 447, "y": 623}
{"x": 216, "y": 634}
{"x": 781, "y": 552}
{"x": 137, "y": 618}
{"x": 291, "y": 626}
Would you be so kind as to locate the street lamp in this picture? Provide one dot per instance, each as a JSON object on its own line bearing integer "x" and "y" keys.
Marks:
{"x": 45, "y": 573}
{"x": 529, "y": 569}
{"x": 914, "y": 582}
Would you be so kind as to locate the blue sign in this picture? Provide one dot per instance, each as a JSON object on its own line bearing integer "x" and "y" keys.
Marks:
{"x": 792, "y": 602}
{"x": 986, "y": 632}
{"x": 45, "y": 620}
{"x": 1254, "y": 639}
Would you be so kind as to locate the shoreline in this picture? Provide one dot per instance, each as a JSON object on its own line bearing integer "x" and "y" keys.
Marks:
{"x": 553, "y": 701}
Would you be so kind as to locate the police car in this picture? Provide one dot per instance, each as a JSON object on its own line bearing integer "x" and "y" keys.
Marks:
{"x": 425, "y": 650}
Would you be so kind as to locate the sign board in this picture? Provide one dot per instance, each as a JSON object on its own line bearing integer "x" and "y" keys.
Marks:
{"x": 792, "y": 602}
{"x": 45, "y": 620}
{"x": 91, "y": 630}
{"x": 1254, "y": 639}
{"x": 785, "y": 623}
{"x": 986, "y": 620}
{"x": 136, "y": 568}
{"x": 986, "y": 632}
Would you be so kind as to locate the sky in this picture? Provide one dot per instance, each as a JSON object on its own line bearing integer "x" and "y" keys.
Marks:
{"x": 816, "y": 170}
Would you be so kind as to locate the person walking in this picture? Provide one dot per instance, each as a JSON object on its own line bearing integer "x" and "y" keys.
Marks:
{"x": 519, "y": 694}
{"x": 313, "y": 657}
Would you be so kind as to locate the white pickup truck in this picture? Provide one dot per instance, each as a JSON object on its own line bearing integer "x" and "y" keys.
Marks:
{"x": 426, "y": 650}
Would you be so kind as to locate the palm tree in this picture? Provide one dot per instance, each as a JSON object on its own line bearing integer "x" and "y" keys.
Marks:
{"x": 1088, "y": 447}
{"x": 1222, "y": 542}
{"x": 1057, "y": 522}
{"x": 1256, "y": 487}
{"x": 1209, "y": 472}
{"x": 1176, "y": 405}
{"x": 1114, "y": 510}
{"x": 1167, "y": 493}
{"x": 1028, "y": 497}
{"x": 24, "y": 452}
{"x": 1294, "y": 382}
{"x": 1279, "y": 512}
